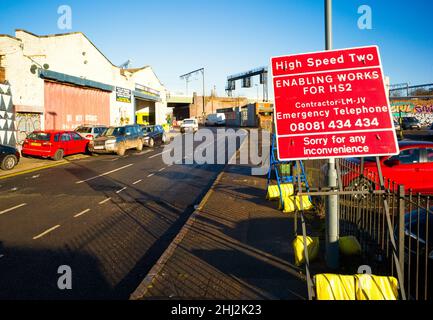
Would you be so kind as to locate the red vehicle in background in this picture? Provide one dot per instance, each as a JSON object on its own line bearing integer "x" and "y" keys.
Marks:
{"x": 54, "y": 144}
{"x": 412, "y": 167}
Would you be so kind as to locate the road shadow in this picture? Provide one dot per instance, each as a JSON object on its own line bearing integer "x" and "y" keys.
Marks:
{"x": 32, "y": 274}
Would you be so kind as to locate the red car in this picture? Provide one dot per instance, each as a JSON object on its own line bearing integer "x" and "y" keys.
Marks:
{"x": 413, "y": 168}
{"x": 54, "y": 144}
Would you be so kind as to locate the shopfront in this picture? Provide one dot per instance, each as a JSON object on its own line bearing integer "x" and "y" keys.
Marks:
{"x": 145, "y": 104}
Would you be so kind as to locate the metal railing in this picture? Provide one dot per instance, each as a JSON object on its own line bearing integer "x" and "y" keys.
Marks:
{"x": 362, "y": 213}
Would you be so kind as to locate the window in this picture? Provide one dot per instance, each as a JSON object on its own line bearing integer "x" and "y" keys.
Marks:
{"x": 56, "y": 138}
{"x": 84, "y": 130}
{"x": 65, "y": 137}
{"x": 429, "y": 154}
{"x": 119, "y": 131}
{"x": 129, "y": 131}
{"x": 41, "y": 136}
{"x": 76, "y": 136}
{"x": 408, "y": 156}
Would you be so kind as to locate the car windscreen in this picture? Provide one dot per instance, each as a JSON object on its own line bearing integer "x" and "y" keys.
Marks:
{"x": 118, "y": 131}
{"x": 41, "y": 136}
{"x": 84, "y": 130}
{"x": 148, "y": 129}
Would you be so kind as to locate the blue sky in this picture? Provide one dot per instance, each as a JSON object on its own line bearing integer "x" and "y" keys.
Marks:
{"x": 231, "y": 36}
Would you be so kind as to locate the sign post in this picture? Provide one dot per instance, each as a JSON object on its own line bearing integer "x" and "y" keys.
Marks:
{"x": 332, "y": 223}
{"x": 328, "y": 105}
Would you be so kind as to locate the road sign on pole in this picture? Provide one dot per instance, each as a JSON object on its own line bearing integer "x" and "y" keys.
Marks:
{"x": 332, "y": 104}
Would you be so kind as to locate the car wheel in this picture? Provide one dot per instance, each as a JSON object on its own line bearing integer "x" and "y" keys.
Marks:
{"x": 151, "y": 143}
{"x": 121, "y": 150}
{"x": 9, "y": 162}
{"x": 58, "y": 155}
{"x": 140, "y": 146}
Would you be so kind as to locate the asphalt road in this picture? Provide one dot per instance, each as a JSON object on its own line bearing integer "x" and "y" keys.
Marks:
{"x": 108, "y": 218}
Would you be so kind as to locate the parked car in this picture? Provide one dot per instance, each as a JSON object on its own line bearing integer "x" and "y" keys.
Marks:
{"x": 216, "y": 119}
{"x": 54, "y": 144}
{"x": 189, "y": 125}
{"x": 154, "y": 135}
{"x": 90, "y": 132}
{"x": 9, "y": 157}
{"x": 118, "y": 140}
{"x": 412, "y": 167}
{"x": 418, "y": 248}
{"x": 409, "y": 123}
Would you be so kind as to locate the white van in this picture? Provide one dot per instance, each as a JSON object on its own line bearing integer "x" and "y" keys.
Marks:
{"x": 216, "y": 119}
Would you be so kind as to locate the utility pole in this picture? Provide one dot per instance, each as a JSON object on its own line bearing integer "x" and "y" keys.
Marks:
{"x": 187, "y": 77}
{"x": 332, "y": 247}
{"x": 204, "y": 99}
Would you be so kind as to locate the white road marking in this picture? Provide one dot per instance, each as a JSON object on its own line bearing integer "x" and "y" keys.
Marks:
{"x": 151, "y": 175}
{"x": 1, "y": 256}
{"x": 46, "y": 232}
{"x": 123, "y": 189}
{"x": 162, "y": 169}
{"x": 13, "y": 208}
{"x": 81, "y": 213}
{"x": 137, "y": 182}
{"x": 141, "y": 153}
{"x": 104, "y": 201}
{"x": 104, "y": 174}
{"x": 159, "y": 154}
{"x": 36, "y": 176}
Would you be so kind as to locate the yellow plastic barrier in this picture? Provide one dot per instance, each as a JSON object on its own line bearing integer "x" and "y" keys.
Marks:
{"x": 349, "y": 246}
{"x": 335, "y": 287}
{"x": 290, "y": 205}
{"x": 274, "y": 192}
{"x": 298, "y": 248}
{"x": 369, "y": 287}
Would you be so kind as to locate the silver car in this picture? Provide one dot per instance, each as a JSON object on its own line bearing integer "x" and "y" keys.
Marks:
{"x": 90, "y": 132}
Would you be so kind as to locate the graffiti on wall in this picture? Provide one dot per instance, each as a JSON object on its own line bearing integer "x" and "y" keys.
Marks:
{"x": 420, "y": 109}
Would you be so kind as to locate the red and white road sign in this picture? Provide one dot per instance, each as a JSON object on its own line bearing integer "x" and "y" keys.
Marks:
{"x": 332, "y": 104}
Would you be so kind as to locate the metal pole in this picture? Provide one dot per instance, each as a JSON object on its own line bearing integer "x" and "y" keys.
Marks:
{"x": 332, "y": 248}
{"x": 204, "y": 99}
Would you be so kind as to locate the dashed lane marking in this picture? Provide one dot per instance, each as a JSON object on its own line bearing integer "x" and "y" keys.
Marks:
{"x": 13, "y": 208}
{"x": 105, "y": 201}
{"x": 81, "y": 213}
{"x": 46, "y": 232}
{"x": 162, "y": 169}
{"x": 151, "y": 175}
{"x": 121, "y": 190}
{"x": 137, "y": 182}
{"x": 159, "y": 154}
{"x": 105, "y": 174}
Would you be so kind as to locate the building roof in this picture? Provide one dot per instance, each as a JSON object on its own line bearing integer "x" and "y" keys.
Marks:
{"x": 83, "y": 35}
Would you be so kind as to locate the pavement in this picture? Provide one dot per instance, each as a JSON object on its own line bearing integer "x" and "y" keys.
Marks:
{"x": 108, "y": 218}
{"x": 236, "y": 245}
